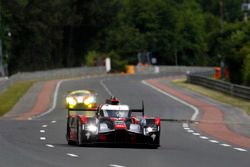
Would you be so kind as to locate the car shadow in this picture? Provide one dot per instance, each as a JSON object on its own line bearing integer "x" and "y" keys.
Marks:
{"x": 110, "y": 145}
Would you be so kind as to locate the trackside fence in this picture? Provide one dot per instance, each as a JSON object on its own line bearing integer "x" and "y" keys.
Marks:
{"x": 52, "y": 74}
{"x": 219, "y": 85}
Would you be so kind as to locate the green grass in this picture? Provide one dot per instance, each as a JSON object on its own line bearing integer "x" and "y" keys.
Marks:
{"x": 224, "y": 98}
{"x": 11, "y": 96}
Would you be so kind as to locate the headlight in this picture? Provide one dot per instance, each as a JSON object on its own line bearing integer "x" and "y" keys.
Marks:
{"x": 89, "y": 100}
{"x": 71, "y": 101}
{"x": 149, "y": 129}
{"x": 92, "y": 128}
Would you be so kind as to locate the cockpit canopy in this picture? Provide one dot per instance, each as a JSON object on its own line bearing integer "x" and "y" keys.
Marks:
{"x": 116, "y": 113}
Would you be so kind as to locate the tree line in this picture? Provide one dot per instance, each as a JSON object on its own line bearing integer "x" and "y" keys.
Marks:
{"x": 47, "y": 34}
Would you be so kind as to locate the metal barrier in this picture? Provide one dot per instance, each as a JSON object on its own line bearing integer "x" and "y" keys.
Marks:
{"x": 52, "y": 74}
{"x": 222, "y": 86}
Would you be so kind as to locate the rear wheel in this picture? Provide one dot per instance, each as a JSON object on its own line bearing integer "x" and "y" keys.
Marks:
{"x": 156, "y": 142}
{"x": 79, "y": 133}
{"x": 70, "y": 142}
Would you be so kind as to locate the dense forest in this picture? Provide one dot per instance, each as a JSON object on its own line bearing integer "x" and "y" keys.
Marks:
{"x": 47, "y": 34}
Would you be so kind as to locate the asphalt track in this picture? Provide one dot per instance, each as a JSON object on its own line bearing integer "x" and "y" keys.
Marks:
{"x": 41, "y": 142}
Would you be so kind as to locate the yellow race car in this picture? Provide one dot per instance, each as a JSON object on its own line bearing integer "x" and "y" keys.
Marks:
{"x": 81, "y": 99}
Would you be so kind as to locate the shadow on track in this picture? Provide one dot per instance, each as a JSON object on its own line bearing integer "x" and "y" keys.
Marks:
{"x": 112, "y": 145}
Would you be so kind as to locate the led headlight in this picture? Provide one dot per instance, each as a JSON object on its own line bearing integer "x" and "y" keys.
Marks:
{"x": 149, "y": 129}
{"x": 92, "y": 128}
{"x": 89, "y": 100}
{"x": 71, "y": 101}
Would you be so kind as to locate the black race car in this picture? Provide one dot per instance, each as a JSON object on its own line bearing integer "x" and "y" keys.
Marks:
{"x": 112, "y": 122}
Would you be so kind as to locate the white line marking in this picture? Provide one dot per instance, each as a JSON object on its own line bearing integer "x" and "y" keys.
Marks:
{"x": 72, "y": 155}
{"x": 53, "y": 122}
{"x": 114, "y": 165}
{"x": 190, "y": 131}
{"x": 187, "y": 128}
{"x": 44, "y": 126}
{"x": 50, "y": 145}
{"x": 54, "y": 101}
{"x": 196, "y": 134}
{"x": 226, "y": 145}
{"x": 106, "y": 88}
{"x": 203, "y": 137}
{"x": 42, "y": 138}
{"x": 42, "y": 131}
{"x": 185, "y": 125}
{"x": 240, "y": 149}
{"x": 214, "y": 141}
{"x": 196, "y": 110}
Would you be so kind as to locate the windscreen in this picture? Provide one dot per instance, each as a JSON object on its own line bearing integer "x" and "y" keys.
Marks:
{"x": 116, "y": 113}
{"x": 80, "y": 94}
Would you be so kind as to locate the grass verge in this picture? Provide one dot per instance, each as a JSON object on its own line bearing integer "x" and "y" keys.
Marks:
{"x": 11, "y": 96}
{"x": 222, "y": 97}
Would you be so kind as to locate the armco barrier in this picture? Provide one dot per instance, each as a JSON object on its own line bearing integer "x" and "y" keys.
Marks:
{"x": 170, "y": 69}
{"x": 222, "y": 86}
{"x": 82, "y": 71}
{"x": 52, "y": 74}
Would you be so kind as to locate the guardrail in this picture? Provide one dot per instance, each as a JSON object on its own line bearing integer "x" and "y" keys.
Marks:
{"x": 170, "y": 69}
{"x": 81, "y": 71}
{"x": 51, "y": 74}
{"x": 222, "y": 86}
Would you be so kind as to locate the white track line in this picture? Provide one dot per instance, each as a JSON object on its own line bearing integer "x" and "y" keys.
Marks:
{"x": 226, "y": 145}
{"x": 42, "y": 138}
{"x": 240, "y": 149}
{"x": 203, "y": 137}
{"x": 196, "y": 110}
{"x": 50, "y": 145}
{"x": 42, "y": 131}
{"x": 54, "y": 101}
{"x": 53, "y": 121}
{"x": 44, "y": 126}
{"x": 106, "y": 88}
{"x": 185, "y": 125}
{"x": 114, "y": 165}
{"x": 196, "y": 134}
{"x": 193, "y": 118}
{"x": 72, "y": 155}
{"x": 214, "y": 141}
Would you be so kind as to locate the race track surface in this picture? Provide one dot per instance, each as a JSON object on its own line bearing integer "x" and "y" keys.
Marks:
{"x": 41, "y": 142}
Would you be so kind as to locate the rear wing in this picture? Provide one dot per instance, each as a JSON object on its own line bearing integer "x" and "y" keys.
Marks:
{"x": 138, "y": 110}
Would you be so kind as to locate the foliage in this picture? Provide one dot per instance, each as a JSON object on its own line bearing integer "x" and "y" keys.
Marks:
{"x": 94, "y": 58}
{"x": 91, "y": 58}
{"x": 117, "y": 64}
{"x": 62, "y": 33}
{"x": 246, "y": 70}
{"x": 10, "y": 97}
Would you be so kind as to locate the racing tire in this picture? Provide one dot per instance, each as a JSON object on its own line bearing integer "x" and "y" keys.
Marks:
{"x": 156, "y": 143}
{"x": 70, "y": 142}
{"x": 79, "y": 133}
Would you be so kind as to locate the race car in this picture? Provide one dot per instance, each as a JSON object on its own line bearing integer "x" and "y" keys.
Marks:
{"x": 80, "y": 99}
{"x": 114, "y": 123}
